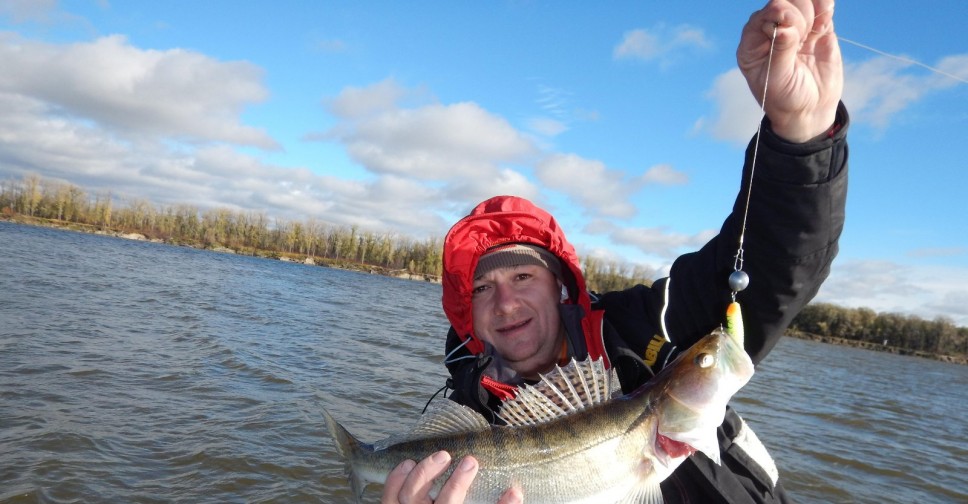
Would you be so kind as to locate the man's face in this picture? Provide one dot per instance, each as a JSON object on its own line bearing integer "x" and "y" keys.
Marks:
{"x": 516, "y": 311}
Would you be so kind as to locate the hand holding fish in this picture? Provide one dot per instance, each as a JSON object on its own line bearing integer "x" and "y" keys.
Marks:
{"x": 806, "y": 77}
{"x": 410, "y": 482}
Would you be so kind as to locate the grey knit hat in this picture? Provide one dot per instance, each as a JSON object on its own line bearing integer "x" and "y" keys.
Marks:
{"x": 517, "y": 254}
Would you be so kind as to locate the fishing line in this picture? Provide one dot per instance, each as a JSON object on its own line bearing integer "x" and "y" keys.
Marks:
{"x": 738, "y": 279}
{"x": 904, "y": 59}
{"x": 889, "y": 55}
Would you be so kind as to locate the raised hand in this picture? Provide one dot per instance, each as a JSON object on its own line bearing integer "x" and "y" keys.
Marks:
{"x": 806, "y": 78}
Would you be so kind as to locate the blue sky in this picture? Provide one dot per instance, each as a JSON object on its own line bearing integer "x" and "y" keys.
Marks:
{"x": 627, "y": 120}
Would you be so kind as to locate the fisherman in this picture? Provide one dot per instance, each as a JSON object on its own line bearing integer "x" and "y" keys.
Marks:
{"x": 515, "y": 296}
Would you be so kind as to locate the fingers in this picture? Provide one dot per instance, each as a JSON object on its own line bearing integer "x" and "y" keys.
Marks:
{"x": 411, "y": 483}
{"x": 823, "y": 16}
{"x": 395, "y": 481}
{"x": 512, "y": 496}
{"x": 792, "y": 21}
{"x": 780, "y": 18}
{"x": 455, "y": 489}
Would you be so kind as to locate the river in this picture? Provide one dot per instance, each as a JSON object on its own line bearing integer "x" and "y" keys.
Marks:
{"x": 141, "y": 372}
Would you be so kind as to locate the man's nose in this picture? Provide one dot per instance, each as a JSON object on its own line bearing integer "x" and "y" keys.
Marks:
{"x": 505, "y": 298}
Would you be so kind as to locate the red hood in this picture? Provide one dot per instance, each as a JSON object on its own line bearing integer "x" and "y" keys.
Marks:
{"x": 501, "y": 219}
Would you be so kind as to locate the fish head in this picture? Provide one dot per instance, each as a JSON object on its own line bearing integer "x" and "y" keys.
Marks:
{"x": 698, "y": 385}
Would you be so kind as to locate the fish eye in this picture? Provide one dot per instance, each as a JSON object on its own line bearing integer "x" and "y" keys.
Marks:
{"x": 705, "y": 360}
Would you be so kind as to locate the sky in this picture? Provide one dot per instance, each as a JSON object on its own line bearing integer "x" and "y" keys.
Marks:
{"x": 626, "y": 120}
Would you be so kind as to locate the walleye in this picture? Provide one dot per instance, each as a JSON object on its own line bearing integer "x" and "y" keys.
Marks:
{"x": 568, "y": 440}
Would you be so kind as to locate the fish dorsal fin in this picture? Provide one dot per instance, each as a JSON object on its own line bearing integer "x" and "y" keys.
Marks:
{"x": 562, "y": 391}
{"x": 442, "y": 418}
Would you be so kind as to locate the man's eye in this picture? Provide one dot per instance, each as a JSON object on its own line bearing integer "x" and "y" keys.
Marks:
{"x": 523, "y": 276}
{"x": 479, "y": 289}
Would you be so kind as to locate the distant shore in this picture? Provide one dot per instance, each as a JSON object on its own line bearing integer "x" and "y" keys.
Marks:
{"x": 265, "y": 254}
{"x": 867, "y": 345}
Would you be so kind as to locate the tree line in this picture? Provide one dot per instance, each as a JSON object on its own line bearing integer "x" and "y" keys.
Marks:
{"x": 936, "y": 337}
{"x": 255, "y": 233}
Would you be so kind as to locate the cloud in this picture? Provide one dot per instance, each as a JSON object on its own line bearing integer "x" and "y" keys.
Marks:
{"x": 953, "y": 304}
{"x": 434, "y": 142}
{"x": 28, "y": 10}
{"x": 359, "y": 102}
{"x": 736, "y": 112}
{"x": 877, "y": 89}
{"x": 557, "y": 115}
{"x": 135, "y": 93}
{"x": 659, "y": 43}
{"x": 954, "y": 68}
{"x": 885, "y": 286}
{"x": 664, "y": 174}
{"x": 938, "y": 252}
{"x": 546, "y": 126}
{"x": 659, "y": 241}
{"x": 553, "y": 100}
{"x": 574, "y": 175}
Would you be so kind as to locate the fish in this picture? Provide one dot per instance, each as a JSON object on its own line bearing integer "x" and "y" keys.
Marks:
{"x": 572, "y": 437}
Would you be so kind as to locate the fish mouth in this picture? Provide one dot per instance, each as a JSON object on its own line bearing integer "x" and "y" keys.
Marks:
{"x": 672, "y": 448}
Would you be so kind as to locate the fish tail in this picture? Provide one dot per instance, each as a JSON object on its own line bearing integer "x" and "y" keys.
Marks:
{"x": 348, "y": 446}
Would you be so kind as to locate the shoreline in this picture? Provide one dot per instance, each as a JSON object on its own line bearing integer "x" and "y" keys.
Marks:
{"x": 264, "y": 254}
{"x": 867, "y": 345}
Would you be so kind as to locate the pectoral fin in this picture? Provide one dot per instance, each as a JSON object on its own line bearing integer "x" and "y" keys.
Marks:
{"x": 644, "y": 494}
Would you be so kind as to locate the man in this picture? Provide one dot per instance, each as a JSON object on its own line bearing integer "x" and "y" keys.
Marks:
{"x": 515, "y": 296}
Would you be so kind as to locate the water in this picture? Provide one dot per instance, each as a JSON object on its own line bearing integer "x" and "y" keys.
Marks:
{"x": 139, "y": 372}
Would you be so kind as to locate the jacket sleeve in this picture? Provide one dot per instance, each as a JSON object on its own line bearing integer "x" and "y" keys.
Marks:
{"x": 796, "y": 215}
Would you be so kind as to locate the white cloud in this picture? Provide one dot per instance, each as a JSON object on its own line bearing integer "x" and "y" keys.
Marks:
{"x": 431, "y": 142}
{"x": 736, "y": 111}
{"x": 133, "y": 92}
{"x": 637, "y": 44}
{"x": 553, "y": 100}
{"x": 938, "y": 252}
{"x": 659, "y": 42}
{"x": 877, "y": 89}
{"x": 659, "y": 241}
{"x": 955, "y": 69}
{"x": 471, "y": 191}
{"x": 884, "y": 286}
{"x": 28, "y": 10}
{"x": 557, "y": 114}
{"x": 663, "y": 174}
{"x": 358, "y": 102}
{"x": 573, "y": 175}
{"x": 546, "y": 126}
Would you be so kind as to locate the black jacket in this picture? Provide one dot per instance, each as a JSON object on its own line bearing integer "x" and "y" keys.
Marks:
{"x": 796, "y": 215}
